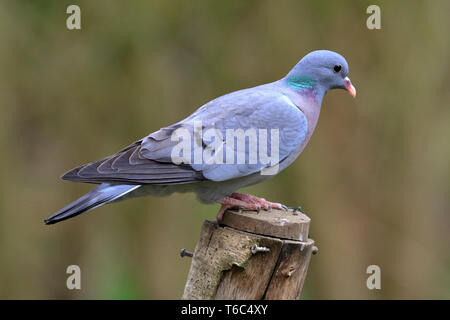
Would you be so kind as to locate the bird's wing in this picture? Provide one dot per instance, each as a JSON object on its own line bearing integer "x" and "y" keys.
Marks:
{"x": 256, "y": 111}
{"x": 150, "y": 160}
{"x": 129, "y": 167}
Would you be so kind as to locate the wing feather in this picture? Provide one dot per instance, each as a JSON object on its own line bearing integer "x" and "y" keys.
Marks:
{"x": 149, "y": 161}
{"x": 128, "y": 167}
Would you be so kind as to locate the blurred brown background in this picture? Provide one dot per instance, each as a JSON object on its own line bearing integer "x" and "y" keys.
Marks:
{"x": 375, "y": 177}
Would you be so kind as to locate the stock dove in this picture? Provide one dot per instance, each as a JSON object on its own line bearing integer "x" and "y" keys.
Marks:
{"x": 272, "y": 122}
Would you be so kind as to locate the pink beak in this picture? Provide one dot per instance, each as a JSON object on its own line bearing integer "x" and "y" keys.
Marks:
{"x": 350, "y": 88}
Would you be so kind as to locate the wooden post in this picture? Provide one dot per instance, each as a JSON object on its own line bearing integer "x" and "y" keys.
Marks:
{"x": 253, "y": 255}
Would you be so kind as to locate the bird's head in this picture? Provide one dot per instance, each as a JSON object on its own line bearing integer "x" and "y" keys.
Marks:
{"x": 320, "y": 71}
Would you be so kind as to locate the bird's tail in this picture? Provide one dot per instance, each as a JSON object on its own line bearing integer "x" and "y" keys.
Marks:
{"x": 98, "y": 196}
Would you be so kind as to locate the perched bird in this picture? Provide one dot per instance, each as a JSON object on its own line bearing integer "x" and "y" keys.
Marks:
{"x": 288, "y": 109}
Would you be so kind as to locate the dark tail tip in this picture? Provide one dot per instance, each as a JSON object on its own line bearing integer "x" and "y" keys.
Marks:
{"x": 98, "y": 196}
{"x": 49, "y": 221}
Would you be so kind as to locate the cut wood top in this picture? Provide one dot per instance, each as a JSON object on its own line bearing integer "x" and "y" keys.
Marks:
{"x": 289, "y": 224}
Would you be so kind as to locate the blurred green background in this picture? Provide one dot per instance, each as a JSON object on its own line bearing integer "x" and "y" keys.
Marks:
{"x": 375, "y": 177}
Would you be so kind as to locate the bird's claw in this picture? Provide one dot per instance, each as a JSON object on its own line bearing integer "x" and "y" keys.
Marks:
{"x": 298, "y": 208}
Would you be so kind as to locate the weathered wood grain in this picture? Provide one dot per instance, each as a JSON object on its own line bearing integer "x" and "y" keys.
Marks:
{"x": 290, "y": 273}
{"x": 224, "y": 267}
{"x": 282, "y": 224}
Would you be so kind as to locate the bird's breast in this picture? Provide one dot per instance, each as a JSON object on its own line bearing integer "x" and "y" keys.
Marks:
{"x": 311, "y": 110}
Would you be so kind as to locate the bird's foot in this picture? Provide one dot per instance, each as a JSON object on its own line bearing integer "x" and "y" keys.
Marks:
{"x": 263, "y": 203}
{"x": 246, "y": 202}
{"x": 229, "y": 202}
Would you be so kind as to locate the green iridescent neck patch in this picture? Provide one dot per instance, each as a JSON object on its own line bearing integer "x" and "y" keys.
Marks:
{"x": 301, "y": 82}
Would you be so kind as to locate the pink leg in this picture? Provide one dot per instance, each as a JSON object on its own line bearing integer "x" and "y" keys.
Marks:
{"x": 229, "y": 202}
{"x": 246, "y": 202}
{"x": 266, "y": 205}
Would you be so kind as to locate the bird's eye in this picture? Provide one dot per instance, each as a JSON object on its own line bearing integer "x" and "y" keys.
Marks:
{"x": 337, "y": 68}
